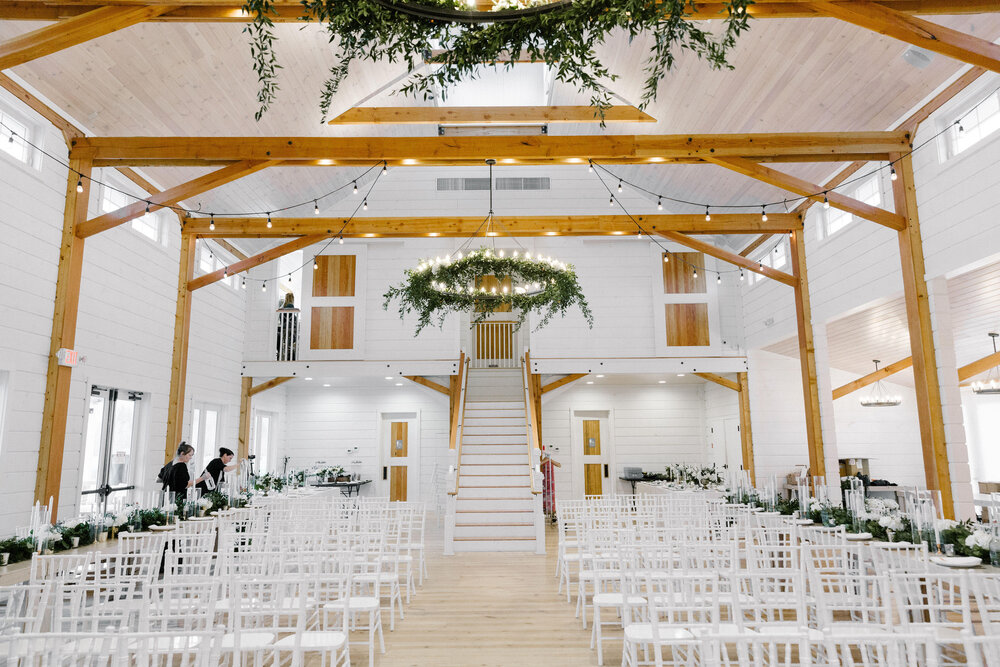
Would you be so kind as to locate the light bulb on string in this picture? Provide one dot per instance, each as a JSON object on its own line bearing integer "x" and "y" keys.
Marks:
{"x": 268, "y": 220}
{"x": 619, "y": 185}
{"x": 79, "y": 185}
{"x": 611, "y": 202}
{"x": 263, "y": 286}
{"x": 364, "y": 205}
{"x": 892, "y": 173}
{"x": 826, "y": 201}
{"x": 289, "y": 277}
{"x": 355, "y": 187}
{"x": 315, "y": 207}
{"x": 590, "y": 166}
{"x": 741, "y": 275}
{"x": 244, "y": 283}
{"x": 147, "y": 208}
{"x": 211, "y": 223}
{"x": 763, "y": 213}
{"x": 385, "y": 167}
{"x": 315, "y": 264}
{"x": 718, "y": 278}
{"x": 695, "y": 272}
{"x": 666, "y": 257}
{"x": 11, "y": 140}
{"x": 760, "y": 265}
{"x": 340, "y": 239}
{"x": 708, "y": 215}
{"x": 659, "y": 204}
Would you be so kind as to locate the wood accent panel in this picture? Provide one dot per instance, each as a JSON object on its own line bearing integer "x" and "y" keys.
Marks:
{"x": 918, "y": 315}
{"x": 563, "y": 381}
{"x": 270, "y": 384}
{"x": 872, "y": 377}
{"x": 55, "y": 408}
{"x": 482, "y": 115}
{"x": 746, "y": 432}
{"x": 719, "y": 380}
{"x": 243, "y": 435}
{"x": 525, "y": 225}
{"x": 397, "y": 484}
{"x": 687, "y": 324}
{"x": 807, "y": 358}
{"x": 256, "y": 260}
{"x": 913, "y": 30}
{"x": 678, "y": 275}
{"x": 592, "y": 479}
{"x": 726, "y": 256}
{"x": 178, "y": 365}
{"x": 398, "y": 431}
{"x": 335, "y": 275}
{"x": 591, "y": 429}
{"x": 547, "y": 149}
{"x": 171, "y": 196}
{"x": 332, "y": 328}
{"x": 490, "y": 283}
{"x": 72, "y": 31}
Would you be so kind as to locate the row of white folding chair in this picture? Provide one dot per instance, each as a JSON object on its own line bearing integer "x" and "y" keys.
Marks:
{"x": 201, "y": 649}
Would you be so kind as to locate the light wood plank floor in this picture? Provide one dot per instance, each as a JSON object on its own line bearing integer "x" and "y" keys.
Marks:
{"x": 488, "y": 609}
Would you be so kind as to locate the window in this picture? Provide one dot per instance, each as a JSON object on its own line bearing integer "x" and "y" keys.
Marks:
{"x": 206, "y": 425}
{"x": 776, "y": 258}
{"x": 867, "y": 191}
{"x": 973, "y": 126}
{"x": 4, "y": 382}
{"x": 15, "y": 146}
{"x": 208, "y": 262}
{"x": 148, "y": 225}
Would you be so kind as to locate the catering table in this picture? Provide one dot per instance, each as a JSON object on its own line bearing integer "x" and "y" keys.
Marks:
{"x": 346, "y": 488}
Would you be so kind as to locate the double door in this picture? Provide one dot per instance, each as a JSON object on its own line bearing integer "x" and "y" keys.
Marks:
{"x": 112, "y": 441}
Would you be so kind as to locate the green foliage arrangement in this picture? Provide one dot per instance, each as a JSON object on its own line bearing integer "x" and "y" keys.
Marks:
{"x": 436, "y": 288}
{"x": 18, "y": 548}
{"x": 564, "y": 35}
{"x": 145, "y": 518}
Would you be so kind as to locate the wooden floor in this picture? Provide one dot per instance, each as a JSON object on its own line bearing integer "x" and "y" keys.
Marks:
{"x": 480, "y": 609}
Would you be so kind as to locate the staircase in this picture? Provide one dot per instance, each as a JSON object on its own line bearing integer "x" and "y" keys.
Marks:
{"x": 495, "y": 509}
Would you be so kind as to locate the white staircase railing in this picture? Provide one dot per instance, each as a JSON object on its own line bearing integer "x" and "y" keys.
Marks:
{"x": 534, "y": 460}
{"x": 496, "y": 344}
{"x": 454, "y": 462}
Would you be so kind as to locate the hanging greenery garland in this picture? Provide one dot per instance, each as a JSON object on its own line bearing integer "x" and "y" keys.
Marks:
{"x": 563, "y": 34}
{"x": 523, "y": 284}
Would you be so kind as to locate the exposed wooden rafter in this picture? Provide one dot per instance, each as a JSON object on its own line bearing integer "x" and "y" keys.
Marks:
{"x": 430, "y": 384}
{"x": 730, "y": 257}
{"x": 526, "y": 225}
{"x": 970, "y": 371}
{"x": 270, "y": 384}
{"x": 485, "y": 115}
{"x": 69, "y": 131}
{"x": 256, "y": 260}
{"x": 562, "y": 382}
{"x": 520, "y": 150}
{"x": 76, "y": 30}
{"x": 872, "y": 377}
{"x": 931, "y": 36}
{"x": 171, "y": 196}
{"x": 813, "y": 191}
{"x": 719, "y": 380}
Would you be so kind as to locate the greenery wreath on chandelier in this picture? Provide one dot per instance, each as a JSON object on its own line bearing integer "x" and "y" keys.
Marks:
{"x": 521, "y": 283}
{"x": 564, "y": 34}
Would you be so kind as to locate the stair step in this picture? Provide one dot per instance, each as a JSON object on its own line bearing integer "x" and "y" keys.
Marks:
{"x": 493, "y": 511}
{"x": 493, "y": 539}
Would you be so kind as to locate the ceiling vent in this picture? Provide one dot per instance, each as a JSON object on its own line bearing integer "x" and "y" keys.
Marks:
{"x": 514, "y": 183}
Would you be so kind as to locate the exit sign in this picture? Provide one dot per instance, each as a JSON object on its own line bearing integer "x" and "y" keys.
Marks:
{"x": 67, "y": 357}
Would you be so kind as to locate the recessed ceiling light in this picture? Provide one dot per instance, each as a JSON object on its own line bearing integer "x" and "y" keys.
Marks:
{"x": 399, "y": 384}
{"x": 663, "y": 381}
{"x": 388, "y": 377}
{"x": 680, "y": 375}
{"x": 307, "y": 379}
{"x": 600, "y": 376}
{"x": 590, "y": 382}
{"x": 327, "y": 384}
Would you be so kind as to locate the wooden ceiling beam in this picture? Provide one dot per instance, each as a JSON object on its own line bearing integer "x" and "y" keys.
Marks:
{"x": 730, "y": 257}
{"x": 872, "y": 377}
{"x": 171, "y": 196}
{"x": 231, "y": 249}
{"x": 483, "y": 115}
{"x": 538, "y": 225}
{"x": 545, "y": 149}
{"x": 270, "y": 384}
{"x": 719, "y": 380}
{"x": 970, "y": 371}
{"x": 806, "y": 189}
{"x": 68, "y": 129}
{"x": 72, "y": 31}
{"x": 430, "y": 384}
{"x": 884, "y": 20}
{"x": 562, "y": 382}
{"x": 289, "y": 11}
{"x": 256, "y": 260}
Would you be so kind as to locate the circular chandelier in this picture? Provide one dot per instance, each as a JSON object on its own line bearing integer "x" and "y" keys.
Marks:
{"x": 991, "y": 385}
{"x": 487, "y": 280}
{"x": 501, "y": 10}
{"x": 880, "y": 396}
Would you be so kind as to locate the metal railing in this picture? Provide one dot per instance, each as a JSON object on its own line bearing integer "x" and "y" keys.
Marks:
{"x": 496, "y": 344}
{"x": 287, "y": 344}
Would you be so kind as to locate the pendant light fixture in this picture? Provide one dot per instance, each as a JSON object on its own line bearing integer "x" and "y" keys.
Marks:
{"x": 991, "y": 385}
{"x": 880, "y": 396}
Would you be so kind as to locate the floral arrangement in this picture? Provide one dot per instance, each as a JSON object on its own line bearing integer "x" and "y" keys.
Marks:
{"x": 445, "y": 285}
{"x": 689, "y": 476}
{"x": 563, "y": 35}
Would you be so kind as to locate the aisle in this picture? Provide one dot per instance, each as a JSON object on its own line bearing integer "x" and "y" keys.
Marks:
{"x": 488, "y": 609}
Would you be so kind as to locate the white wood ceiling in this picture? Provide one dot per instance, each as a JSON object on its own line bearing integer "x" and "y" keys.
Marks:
{"x": 881, "y": 330}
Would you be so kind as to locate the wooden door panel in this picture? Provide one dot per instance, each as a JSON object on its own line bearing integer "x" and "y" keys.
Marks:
{"x": 678, "y": 273}
{"x": 332, "y": 328}
{"x": 687, "y": 324}
{"x": 591, "y": 429}
{"x": 398, "y": 432}
{"x": 592, "y": 479}
{"x": 335, "y": 275}
{"x": 397, "y": 483}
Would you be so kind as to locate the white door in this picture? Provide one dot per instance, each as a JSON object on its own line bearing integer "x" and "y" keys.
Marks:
{"x": 400, "y": 456}
{"x": 717, "y": 450}
{"x": 261, "y": 440}
{"x": 734, "y": 446}
{"x": 113, "y": 432}
{"x": 593, "y": 450}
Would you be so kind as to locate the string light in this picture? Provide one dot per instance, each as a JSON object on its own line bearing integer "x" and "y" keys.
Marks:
{"x": 365, "y": 204}
{"x": 147, "y": 209}
{"x": 11, "y": 140}
{"x": 244, "y": 284}
{"x": 708, "y": 215}
{"x": 340, "y": 239}
{"x": 211, "y": 223}
{"x": 385, "y": 167}
{"x": 611, "y": 201}
{"x": 289, "y": 277}
{"x": 826, "y": 202}
{"x": 590, "y": 166}
{"x": 619, "y": 185}
{"x": 718, "y": 278}
{"x": 315, "y": 264}
{"x": 892, "y": 174}
{"x": 763, "y": 214}
{"x": 79, "y": 185}
{"x": 666, "y": 257}
{"x": 696, "y": 272}
{"x": 355, "y": 187}
{"x": 741, "y": 275}
{"x": 659, "y": 204}
{"x": 263, "y": 286}
{"x": 315, "y": 207}
{"x": 268, "y": 220}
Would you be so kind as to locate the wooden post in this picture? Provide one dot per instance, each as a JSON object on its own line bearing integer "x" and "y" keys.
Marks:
{"x": 182, "y": 330}
{"x": 918, "y": 315}
{"x": 243, "y": 437}
{"x": 807, "y": 356}
{"x": 536, "y": 394}
{"x": 57, "y": 381}
{"x": 455, "y": 383}
{"x": 746, "y": 433}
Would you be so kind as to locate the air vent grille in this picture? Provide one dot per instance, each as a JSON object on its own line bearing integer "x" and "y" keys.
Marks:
{"x": 515, "y": 183}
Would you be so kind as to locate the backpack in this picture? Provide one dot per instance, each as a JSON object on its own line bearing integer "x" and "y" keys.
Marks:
{"x": 163, "y": 477}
